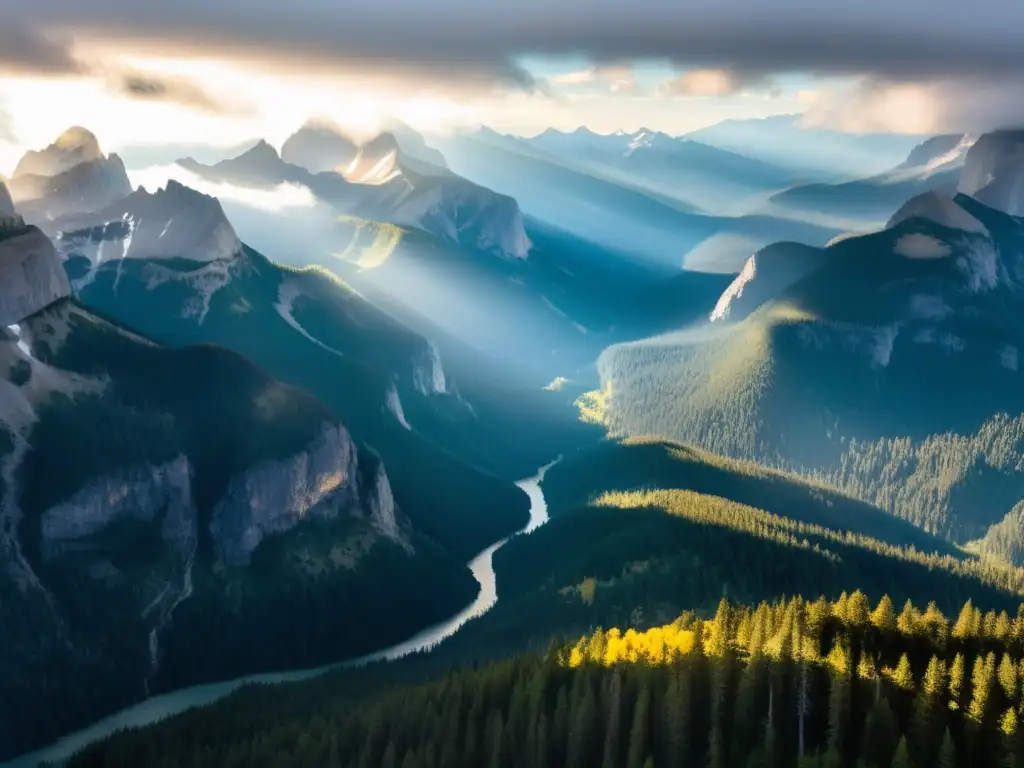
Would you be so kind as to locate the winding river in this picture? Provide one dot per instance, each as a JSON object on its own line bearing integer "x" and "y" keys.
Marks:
{"x": 159, "y": 707}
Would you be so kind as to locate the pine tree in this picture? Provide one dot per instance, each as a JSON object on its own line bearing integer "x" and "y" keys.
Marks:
{"x": 1007, "y": 675}
{"x": 947, "y": 752}
{"x": 613, "y": 727}
{"x": 883, "y": 618}
{"x": 957, "y": 674}
{"x": 676, "y": 712}
{"x": 639, "y": 739}
{"x": 334, "y": 755}
{"x": 902, "y": 757}
{"x": 903, "y": 675}
{"x": 583, "y": 731}
{"x": 839, "y": 703}
{"x": 390, "y": 759}
{"x": 881, "y": 734}
{"x": 963, "y": 628}
{"x": 907, "y": 622}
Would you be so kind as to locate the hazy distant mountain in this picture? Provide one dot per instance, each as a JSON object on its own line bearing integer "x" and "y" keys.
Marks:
{"x": 885, "y": 363}
{"x": 73, "y": 147}
{"x": 70, "y": 176}
{"x": 614, "y": 213}
{"x": 782, "y": 140}
{"x": 382, "y": 187}
{"x": 932, "y": 165}
{"x": 318, "y": 147}
{"x": 994, "y": 171}
{"x": 708, "y": 178}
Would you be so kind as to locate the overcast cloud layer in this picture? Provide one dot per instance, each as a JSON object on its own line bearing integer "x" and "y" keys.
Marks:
{"x": 473, "y": 44}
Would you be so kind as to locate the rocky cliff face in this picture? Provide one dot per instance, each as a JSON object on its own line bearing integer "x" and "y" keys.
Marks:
{"x": 31, "y": 275}
{"x": 147, "y": 494}
{"x": 765, "y": 275}
{"x": 274, "y": 496}
{"x": 6, "y": 203}
{"x": 174, "y": 222}
{"x": 994, "y": 171}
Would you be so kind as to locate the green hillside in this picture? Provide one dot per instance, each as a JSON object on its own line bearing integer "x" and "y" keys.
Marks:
{"x": 144, "y": 442}
{"x": 789, "y": 684}
{"x": 331, "y": 342}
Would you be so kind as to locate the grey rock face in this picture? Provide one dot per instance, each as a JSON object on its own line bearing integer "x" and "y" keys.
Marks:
{"x": 994, "y": 171}
{"x": 272, "y": 497}
{"x": 173, "y": 222}
{"x": 141, "y": 493}
{"x": 31, "y": 276}
{"x": 6, "y": 203}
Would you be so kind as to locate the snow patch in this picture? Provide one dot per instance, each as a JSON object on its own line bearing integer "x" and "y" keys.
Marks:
{"x": 919, "y": 246}
{"x": 929, "y": 307}
{"x": 885, "y": 339}
{"x": 980, "y": 265}
{"x": 286, "y": 296}
{"x": 735, "y": 290}
{"x": 205, "y": 282}
{"x": 1008, "y": 357}
{"x": 394, "y": 404}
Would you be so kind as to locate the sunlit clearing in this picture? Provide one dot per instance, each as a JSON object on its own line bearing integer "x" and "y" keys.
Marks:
{"x": 372, "y": 243}
{"x": 593, "y": 406}
{"x": 557, "y": 385}
{"x": 280, "y": 198}
{"x": 658, "y": 645}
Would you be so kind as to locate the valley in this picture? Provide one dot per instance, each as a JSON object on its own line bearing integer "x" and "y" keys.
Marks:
{"x": 266, "y": 411}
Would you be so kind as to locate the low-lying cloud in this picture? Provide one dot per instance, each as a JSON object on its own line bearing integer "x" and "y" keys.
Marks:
{"x": 281, "y": 198}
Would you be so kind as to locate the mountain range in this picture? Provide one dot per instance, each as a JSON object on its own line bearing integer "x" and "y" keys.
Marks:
{"x": 885, "y": 364}
{"x": 237, "y": 439}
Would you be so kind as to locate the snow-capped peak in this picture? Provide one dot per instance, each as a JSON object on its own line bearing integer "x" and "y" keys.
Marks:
{"x": 376, "y": 163}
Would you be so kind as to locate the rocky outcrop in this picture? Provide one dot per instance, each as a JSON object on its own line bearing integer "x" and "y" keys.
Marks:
{"x": 319, "y": 147}
{"x": 73, "y": 147}
{"x": 765, "y": 275}
{"x": 6, "y": 202}
{"x": 428, "y": 373}
{"x": 31, "y": 275}
{"x": 377, "y": 161}
{"x": 272, "y": 497}
{"x": 86, "y": 187}
{"x": 150, "y": 494}
{"x": 939, "y": 209}
{"x": 173, "y": 222}
{"x": 994, "y": 171}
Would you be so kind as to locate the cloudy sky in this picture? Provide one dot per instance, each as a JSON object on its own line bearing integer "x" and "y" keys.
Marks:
{"x": 221, "y": 71}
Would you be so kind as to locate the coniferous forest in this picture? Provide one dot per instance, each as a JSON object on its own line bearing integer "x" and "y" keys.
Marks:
{"x": 793, "y": 684}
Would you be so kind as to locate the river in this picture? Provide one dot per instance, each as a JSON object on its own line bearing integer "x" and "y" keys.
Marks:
{"x": 159, "y": 707}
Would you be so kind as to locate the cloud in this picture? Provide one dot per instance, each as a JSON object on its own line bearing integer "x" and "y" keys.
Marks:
{"x": 946, "y": 105}
{"x": 483, "y": 41}
{"x": 460, "y": 47}
{"x": 25, "y": 50}
{"x": 612, "y": 78}
{"x": 6, "y": 127}
{"x": 146, "y": 86}
{"x": 716, "y": 82}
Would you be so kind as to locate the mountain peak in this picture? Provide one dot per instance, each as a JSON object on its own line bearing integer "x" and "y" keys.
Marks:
{"x": 74, "y": 146}
{"x": 318, "y": 146}
{"x": 994, "y": 171}
{"x": 940, "y": 209}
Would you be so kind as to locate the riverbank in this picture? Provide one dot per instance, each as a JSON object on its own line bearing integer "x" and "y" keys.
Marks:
{"x": 169, "y": 704}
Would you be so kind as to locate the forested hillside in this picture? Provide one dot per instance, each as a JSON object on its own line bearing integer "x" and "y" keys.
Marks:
{"x": 794, "y": 683}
